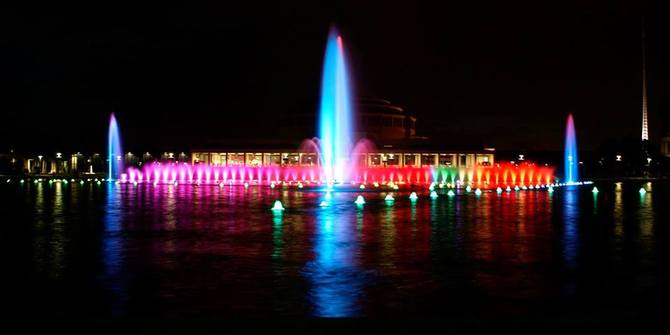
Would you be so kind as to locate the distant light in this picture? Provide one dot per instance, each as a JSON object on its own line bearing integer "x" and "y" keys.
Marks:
{"x": 413, "y": 196}
{"x": 618, "y": 158}
{"x": 22, "y": 181}
{"x": 59, "y": 155}
{"x": 468, "y": 188}
{"x": 323, "y": 204}
{"x": 478, "y": 191}
{"x": 508, "y": 189}
{"x": 550, "y": 189}
{"x": 328, "y": 195}
{"x": 451, "y": 193}
{"x": 359, "y": 200}
{"x": 595, "y": 190}
{"x": 389, "y": 197}
{"x": 300, "y": 185}
{"x": 642, "y": 191}
{"x": 433, "y": 195}
{"x": 272, "y": 185}
{"x": 246, "y": 185}
{"x": 362, "y": 187}
{"x": 277, "y": 206}
{"x": 516, "y": 188}
{"x": 498, "y": 190}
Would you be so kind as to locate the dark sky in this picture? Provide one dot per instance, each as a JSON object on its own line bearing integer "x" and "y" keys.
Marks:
{"x": 176, "y": 77}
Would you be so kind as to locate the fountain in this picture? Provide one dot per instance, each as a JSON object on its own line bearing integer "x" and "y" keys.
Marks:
{"x": 114, "y": 151}
{"x": 335, "y": 131}
{"x": 571, "y": 161}
{"x": 334, "y": 158}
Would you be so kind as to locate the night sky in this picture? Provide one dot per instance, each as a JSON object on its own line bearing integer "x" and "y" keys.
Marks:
{"x": 503, "y": 75}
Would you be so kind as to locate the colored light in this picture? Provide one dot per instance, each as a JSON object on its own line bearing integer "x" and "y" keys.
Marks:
{"x": 550, "y": 189}
{"x": 498, "y": 190}
{"x": 570, "y": 167}
{"x": 642, "y": 191}
{"x": 323, "y": 204}
{"x": 114, "y": 165}
{"x": 478, "y": 192}
{"x": 359, "y": 200}
{"x": 451, "y": 193}
{"x": 335, "y": 130}
{"x": 277, "y": 206}
{"x": 516, "y": 188}
{"x": 413, "y": 196}
{"x": 389, "y": 197}
{"x": 595, "y": 190}
{"x": 433, "y": 195}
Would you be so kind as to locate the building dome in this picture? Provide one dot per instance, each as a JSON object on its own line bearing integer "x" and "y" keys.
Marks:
{"x": 374, "y": 119}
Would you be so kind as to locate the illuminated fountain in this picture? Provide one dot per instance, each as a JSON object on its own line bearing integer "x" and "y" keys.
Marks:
{"x": 336, "y": 159}
{"x": 335, "y": 130}
{"x": 114, "y": 151}
{"x": 570, "y": 167}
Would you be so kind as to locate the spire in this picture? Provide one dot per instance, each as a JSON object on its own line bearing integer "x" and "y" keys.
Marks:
{"x": 645, "y": 125}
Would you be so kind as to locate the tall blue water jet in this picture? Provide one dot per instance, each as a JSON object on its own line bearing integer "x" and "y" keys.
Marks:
{"x": 114, "y": 151}
{"x": 335, "y": 131}
{"x": 571, "y": 173}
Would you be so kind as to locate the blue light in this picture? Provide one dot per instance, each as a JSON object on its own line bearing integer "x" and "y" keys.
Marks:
{"x": 335, "y": 111}
{"x": 570, "y": 158}
{"x": 114, "y": 152}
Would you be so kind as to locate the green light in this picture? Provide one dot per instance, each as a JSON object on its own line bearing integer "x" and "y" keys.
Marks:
{"x": 413, "y": 196}
{"x": 451, "y": 193}
{"x": 478, "y": 191}
{"x": 595, "y": 190}
{"x": 433, "y": 195}
{"x": 277, "y": 206}
{"x": 359, "y": 200}
{"x": 389, "y": 197}
{"x": 642, "y": 191}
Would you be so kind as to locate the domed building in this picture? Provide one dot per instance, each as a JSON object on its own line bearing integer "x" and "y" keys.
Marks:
{"x": 390, "y": 129}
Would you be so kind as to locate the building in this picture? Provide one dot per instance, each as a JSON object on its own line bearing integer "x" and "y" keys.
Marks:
{"x": 378, "y": 121}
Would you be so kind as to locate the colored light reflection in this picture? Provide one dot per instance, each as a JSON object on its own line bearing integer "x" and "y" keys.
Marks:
{"x": 336, "y": 282}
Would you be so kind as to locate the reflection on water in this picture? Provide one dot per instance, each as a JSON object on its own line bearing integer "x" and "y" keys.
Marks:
{"x": 112, "y": 247}
{"x": 570, "y": 225}
{"x": 184, "y": 250}
{"x": 336, "y": 281}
